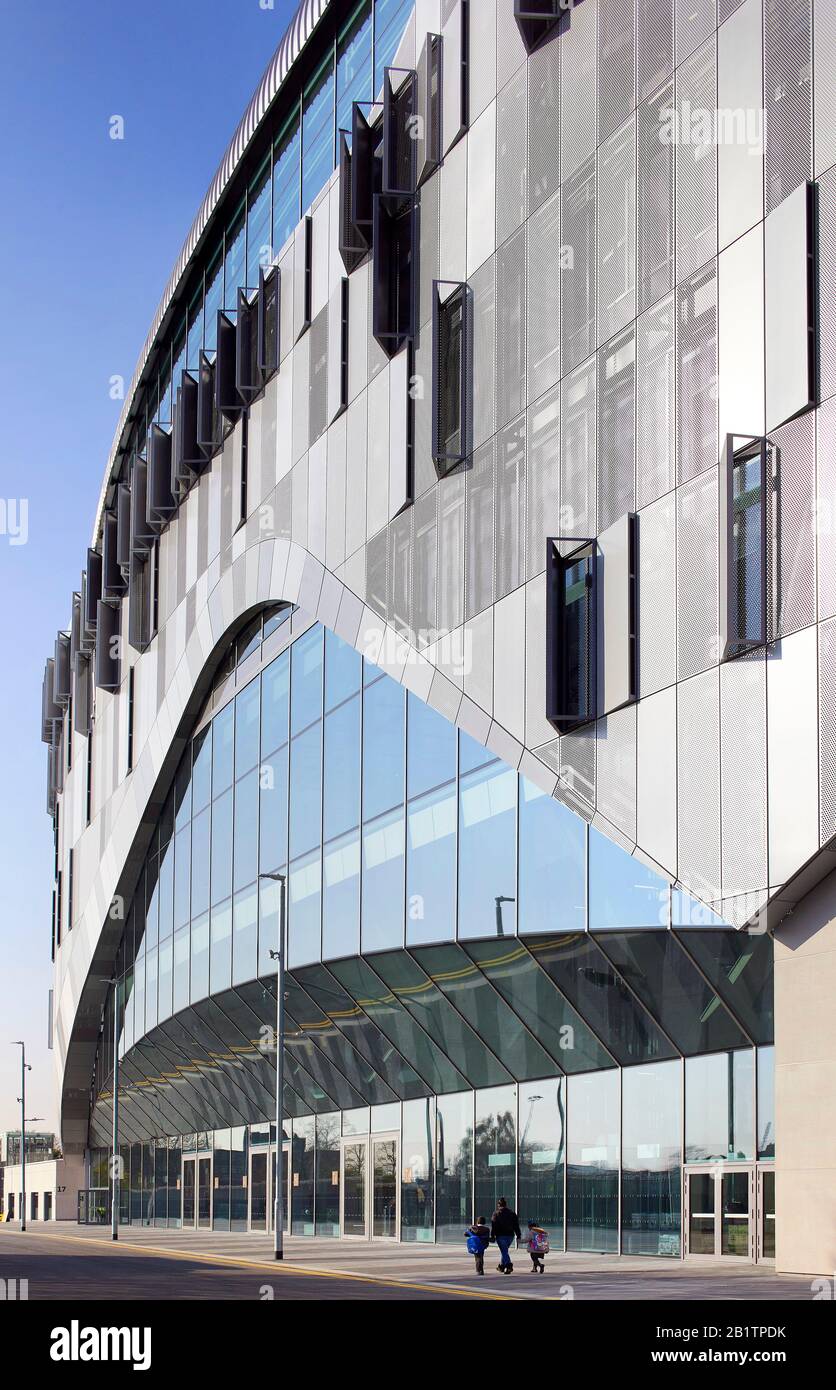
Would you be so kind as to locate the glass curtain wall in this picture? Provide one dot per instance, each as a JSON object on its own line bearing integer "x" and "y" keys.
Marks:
{"x": 651, "y": 1159}
{"x": 593, "y": 1152}
{"x": 321, "y": 767}
{"x": 460, "y": 1152}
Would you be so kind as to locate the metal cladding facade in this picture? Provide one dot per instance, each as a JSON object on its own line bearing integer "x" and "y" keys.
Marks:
{"x": 635, "y": 218}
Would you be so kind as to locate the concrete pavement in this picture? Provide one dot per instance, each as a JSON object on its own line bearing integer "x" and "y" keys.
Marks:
{"x": 219, "y": 1264}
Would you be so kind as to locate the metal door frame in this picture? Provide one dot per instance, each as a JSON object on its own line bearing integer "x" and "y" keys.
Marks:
{"x": 369, "y": 1141}
{"x": 718, "y": 1171}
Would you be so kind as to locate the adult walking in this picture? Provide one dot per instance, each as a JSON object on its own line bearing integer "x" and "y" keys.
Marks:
{"x": 505, "y": 1225}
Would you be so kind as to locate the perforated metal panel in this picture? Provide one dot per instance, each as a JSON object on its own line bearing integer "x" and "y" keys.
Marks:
{"x": 827, "y": 282}
{"x": 399, "y": 579}
{"x": 542, "y": 479}
{"x": 511, "y": 157}
{"x": 617, "y": 231}
{"x": 482, "y": 60}
{"x": 826, "y": 510}
{"x": 377, "y": 358}
{"x": 616, "y": 769}
{"x": 428, "y": 261}
{"x": 616, "y": 64}
{"x": 698, "y": 774}
{"x": 743, "y": 774}
{"x": 424, "y": 564}
{"x": 479, "y": 531}
{"x": 654, "y": 199}
{"x": 543, "y": 317}
{"x": 301, "y": 401}
{"x": 824, "y": 58}
{"x": 616, "y": 429}
{"x": 543, "y": 124}
{"x": 695, "y": 19}
{"x": 578, "y": 276}
{"x": 697, "y": 574}
{"x": 577, "y": 460}
{"x": 657, "y": 596}
{"x": 576, "y": 766}
{"x": 696, "y": 162}
{"x": 696, "y": 394}
{"x": 578, "y": 84}
{"x": 655, "y": 403}
{"x": 318, "y": 396}
{"x": 424, "y": 467}
{"x": 483, "y": 309}
{"x": 654, "y": 45}
{"x": 827, "y": 730}
{"x": 509, "y": 520}
{"x": 377, "y": 558}
{"x": 451, "y": 553}
{"x": 787, "y": 74}
{"x": 510, "y": 329}
{"x": 510, "y": 49}
{"x": 796, "y": 549}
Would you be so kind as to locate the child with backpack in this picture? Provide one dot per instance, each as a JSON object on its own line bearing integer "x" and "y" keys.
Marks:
{"x": 538, "y": 1246}
{"x": 478, "y": 1239}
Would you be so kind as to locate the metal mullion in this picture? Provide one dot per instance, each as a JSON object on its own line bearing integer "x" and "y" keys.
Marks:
{"x": 575, "y": 1010}
{"x": 597, "y": 938}
{"x": 489, "y": 1050}
{"x": 349, "y": 1045}
{"x": 500, "y": 996}
{"x": 371, "y": 1021}
{"x": 675, "y": 933}
{"x": 418, "y": 1025}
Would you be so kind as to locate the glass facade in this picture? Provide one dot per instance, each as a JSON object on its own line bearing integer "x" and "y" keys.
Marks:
{"x": 582, "y": 1149}
{"x": 484, "y": 997}
{"x": 316, "y": 764}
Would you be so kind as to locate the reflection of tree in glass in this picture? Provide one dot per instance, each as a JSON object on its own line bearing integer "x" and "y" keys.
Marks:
{"x": 495, "y": 1136}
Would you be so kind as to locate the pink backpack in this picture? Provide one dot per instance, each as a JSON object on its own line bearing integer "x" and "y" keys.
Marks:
{"x": 538, "y": 1242}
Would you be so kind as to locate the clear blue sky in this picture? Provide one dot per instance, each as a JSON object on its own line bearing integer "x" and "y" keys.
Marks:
{"x": 89, "y": 232}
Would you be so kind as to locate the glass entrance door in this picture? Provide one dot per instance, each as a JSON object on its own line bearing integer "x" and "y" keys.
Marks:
{"x": 721, "y": 1212}
{"x": 189, "y": 1208}
{"x": 355, "y": 1188}
{"x": 258, "y": 1188}
{"x": 766, "y": 1213}
{"x": 384, "y": 1188}
{"x": 369, "y": 1200}
{"x": 204, "y": 1192}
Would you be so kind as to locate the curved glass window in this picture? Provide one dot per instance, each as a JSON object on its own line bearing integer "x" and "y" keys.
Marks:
{"x": 396, "y": 835}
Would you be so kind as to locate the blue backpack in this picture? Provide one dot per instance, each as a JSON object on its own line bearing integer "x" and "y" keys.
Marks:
{"x": 474, "y": 1244}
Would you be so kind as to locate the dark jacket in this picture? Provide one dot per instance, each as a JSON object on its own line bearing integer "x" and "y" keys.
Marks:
{"x": 505, "y": 1222}
{"x": 483, "y": 1232}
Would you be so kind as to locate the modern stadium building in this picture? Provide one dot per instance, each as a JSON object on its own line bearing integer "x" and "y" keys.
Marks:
{"x": 466, "y": 556}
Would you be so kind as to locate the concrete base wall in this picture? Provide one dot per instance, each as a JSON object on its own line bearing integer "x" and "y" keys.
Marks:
{"x": 61, "y": 1176}
{"x": 805, "y": 1085}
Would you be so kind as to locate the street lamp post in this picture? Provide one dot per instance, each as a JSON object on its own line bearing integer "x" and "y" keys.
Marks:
{"x": 279, "y": 957}
{"x": 500, "y": 929}
{"x": 24, "y": 1068}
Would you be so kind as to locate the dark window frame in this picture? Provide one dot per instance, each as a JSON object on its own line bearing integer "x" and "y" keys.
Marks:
{"x": 538, "y": 20}
{"x": 567, "y": 678}
{"x": 457, "y": 302}
{"x": 740, "y": 630}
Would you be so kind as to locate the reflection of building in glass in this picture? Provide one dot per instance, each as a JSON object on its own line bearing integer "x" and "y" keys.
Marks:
{"x": 39, "y": 1145}
{"x": 454, "y": 535}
